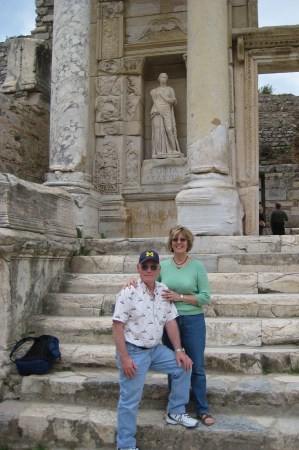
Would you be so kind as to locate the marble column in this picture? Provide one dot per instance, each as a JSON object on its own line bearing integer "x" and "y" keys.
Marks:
{"x": 69, "y": 93}
{"x": 70, "y": 136}
{"x": 209, "y": 203}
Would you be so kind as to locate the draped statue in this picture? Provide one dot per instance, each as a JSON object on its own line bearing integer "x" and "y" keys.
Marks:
{"x": 164, "y": 134}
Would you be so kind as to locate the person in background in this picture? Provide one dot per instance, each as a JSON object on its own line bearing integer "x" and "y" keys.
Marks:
{"x": 262, "y": 221}
{"x": 278, "y": 219}
{"x": 188, "y": 287}
{"x": 138, "y": 322}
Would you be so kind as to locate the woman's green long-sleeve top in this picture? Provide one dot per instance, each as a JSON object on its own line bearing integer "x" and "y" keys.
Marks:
{"x": 190, "y": 279}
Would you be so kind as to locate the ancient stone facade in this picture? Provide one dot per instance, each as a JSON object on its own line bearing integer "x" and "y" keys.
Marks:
{"x": 100, "y": 146}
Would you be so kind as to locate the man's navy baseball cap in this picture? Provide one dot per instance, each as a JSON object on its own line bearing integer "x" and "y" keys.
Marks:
{"x": 148, "y": 255}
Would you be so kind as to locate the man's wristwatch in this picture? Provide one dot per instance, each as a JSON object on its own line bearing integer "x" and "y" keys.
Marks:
{"x": 177, "y": 350}
{"x": 182, "y": 297}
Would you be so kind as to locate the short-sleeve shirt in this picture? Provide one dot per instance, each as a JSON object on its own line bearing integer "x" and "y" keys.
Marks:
{"x": 143, "y": 318}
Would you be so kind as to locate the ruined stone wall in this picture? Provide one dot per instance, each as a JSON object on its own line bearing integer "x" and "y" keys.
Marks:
{"x": 3, "y": 61}
{"x": 278, "y": 128}
{"x": 25, "y": 115}
{"x": 24, "y": 135}
{"x": 44, "y": 20}
{"x": 279, "y": 155}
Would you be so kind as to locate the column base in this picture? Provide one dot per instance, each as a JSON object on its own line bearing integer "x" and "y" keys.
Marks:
{"x": 211, "y": 211}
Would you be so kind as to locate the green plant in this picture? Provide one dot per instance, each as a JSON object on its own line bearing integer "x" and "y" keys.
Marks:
{"x": 66, "y": 369}
{"x": 103, "y": 236}
{"x": 4, "y": 447}
{"x": 266, "y": 90}
{"x": 79, "y": 232}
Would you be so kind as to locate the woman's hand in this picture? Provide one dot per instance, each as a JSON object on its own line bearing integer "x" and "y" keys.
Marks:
{"x": 131, "y": 282}
{"x": 171, "y": 296}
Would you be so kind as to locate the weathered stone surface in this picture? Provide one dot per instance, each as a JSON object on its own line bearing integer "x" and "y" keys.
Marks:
{"x": 61, "y": 425}
{"x": 28, "y": 66}
{"x": 282, "y": 331}
{"x": 253, "y": 305}
{"x": 32, "y": 207}
{"x": 278, "y": 282}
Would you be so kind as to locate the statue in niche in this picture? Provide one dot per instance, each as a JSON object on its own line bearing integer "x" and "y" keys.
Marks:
{"x": 164, "y": 135}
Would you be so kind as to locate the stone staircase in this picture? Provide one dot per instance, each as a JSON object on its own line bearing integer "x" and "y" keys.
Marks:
{"x": 252, "y": 355}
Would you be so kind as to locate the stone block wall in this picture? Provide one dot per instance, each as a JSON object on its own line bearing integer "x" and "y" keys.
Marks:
{"x": 44, "y": 20}
{"x": 24, "y": 135}
{"x": 278, "y": 128}
{"x": 279, "y": 155}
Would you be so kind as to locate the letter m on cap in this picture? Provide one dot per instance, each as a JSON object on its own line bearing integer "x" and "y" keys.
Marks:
{"x": 149, "y": 253}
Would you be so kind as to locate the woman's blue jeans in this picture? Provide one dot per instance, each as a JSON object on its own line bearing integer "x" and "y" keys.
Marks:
{"x": 193, "y": 338}
{"x": 160, "y": 359}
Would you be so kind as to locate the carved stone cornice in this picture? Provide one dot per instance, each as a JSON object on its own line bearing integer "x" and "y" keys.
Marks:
{"x": 268, "y": 37}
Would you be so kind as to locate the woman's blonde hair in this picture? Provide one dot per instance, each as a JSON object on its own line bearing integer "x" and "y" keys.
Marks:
{"x": 175, "y": 231}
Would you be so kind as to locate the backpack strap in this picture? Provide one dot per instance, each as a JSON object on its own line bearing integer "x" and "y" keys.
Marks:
{"x": 54, "y": 347}
{"x": 19, "y": 344}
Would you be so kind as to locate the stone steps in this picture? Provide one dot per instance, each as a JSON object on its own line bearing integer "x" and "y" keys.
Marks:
{"x": 226, "y": 262}
{"x": 60, "y": 426}
{"x": 221, "y": 283}
{"x": 237, "y": 359}
{"x": 202, "y": 245}
{"x": 221, "y": 331}
{"x": 226, "y": 305}
{"x": 252, "y": 354}
{"x": 242, "y": 394}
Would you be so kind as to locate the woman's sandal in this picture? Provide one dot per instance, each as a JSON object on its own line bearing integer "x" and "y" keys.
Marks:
{"x": 205, "y": 419}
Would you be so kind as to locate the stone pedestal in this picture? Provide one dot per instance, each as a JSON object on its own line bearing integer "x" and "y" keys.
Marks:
{"x": 209, "y": 203}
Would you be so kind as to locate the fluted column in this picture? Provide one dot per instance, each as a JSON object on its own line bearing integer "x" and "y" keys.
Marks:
{"x": 209, "y": 202}
{"x": 69, "y": 93}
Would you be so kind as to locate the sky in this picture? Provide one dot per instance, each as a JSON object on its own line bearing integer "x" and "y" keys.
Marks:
{"x": 17, "y": 17}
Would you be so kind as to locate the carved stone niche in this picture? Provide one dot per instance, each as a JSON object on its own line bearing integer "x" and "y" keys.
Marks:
{"x": 28, "y": 66}
{"x": 174, "y": 66}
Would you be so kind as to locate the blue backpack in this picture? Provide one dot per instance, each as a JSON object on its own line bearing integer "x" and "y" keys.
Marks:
{"x": 40, "y": 356}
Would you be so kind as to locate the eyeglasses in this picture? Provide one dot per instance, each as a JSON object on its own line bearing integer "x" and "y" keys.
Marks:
{"x": 147, "y": 266}
{"x": 179, "y": 240}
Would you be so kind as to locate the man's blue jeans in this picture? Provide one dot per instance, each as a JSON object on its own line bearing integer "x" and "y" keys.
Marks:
{"x": 160, "y": 359}
{"x": 193, "y": 339}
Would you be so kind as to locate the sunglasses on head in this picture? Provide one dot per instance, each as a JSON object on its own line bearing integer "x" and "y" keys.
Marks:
{"x": 179, "y": 240}
{"x": 153, "y": 267}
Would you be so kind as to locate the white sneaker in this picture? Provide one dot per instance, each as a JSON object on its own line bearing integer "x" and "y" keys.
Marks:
{"x": 181, "y": 419}
{"x": 128, "y": 448}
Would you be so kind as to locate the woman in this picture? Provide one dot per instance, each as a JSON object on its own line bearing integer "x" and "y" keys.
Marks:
{"x": 189, "y": 289}
{"x": 164, "y": 135}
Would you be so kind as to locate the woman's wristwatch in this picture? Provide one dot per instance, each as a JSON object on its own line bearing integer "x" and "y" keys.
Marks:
{"x": 182, "y": 297}
{"x": 177, "y": 350}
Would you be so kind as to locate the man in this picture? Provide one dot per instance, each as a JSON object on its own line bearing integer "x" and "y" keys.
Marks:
{"x": 278, "y": 219}
{"x": 139, "y": 318}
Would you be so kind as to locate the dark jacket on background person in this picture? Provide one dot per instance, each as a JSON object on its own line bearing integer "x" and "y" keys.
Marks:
{"x": 278, "y": 219}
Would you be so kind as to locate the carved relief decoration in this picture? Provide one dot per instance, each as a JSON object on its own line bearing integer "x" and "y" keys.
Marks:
{"x": 109, "y": 66}
{"x": 161, "y": 29}
{"x": 132, "y": 165}
{"x": 108, "y": 103}
{"x": 110, "y": 9}
{"x": 106, "y": 169}
{"x": 133, "y": 65}
{"x": 110, "y": 38}
{"x": 133, "y": 96}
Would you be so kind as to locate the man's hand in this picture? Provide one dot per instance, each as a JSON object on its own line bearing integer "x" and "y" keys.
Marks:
{"x": 181, "y": 357}
{"x": 128, "y": 366}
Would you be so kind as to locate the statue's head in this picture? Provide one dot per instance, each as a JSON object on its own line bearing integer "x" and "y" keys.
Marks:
{"x": 163, "y": 75}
